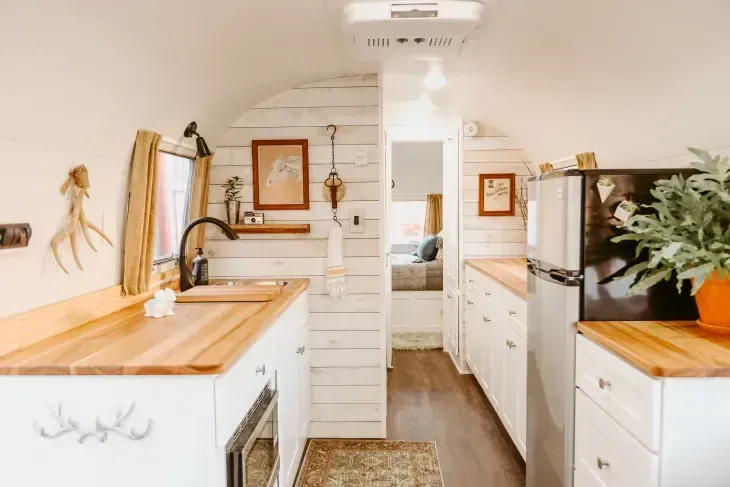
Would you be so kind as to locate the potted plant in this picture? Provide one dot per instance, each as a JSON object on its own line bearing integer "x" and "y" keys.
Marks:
{"x": 233, "y": 199}
{"x": 688, "y": 235}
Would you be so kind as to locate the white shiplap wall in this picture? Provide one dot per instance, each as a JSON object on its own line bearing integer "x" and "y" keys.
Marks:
{"x": 347, "y": 358}
{"x": 491, "y": 152}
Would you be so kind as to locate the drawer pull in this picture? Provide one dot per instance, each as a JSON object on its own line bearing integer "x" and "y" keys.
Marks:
{"x": 301, "y": 350}
{"x": 512, "y": 312}
{"x": 449, "y": 296}
{"x": 601, "y": 463}
{"x": 603, "y": 383}
{"x": 511, "y": 344}
{"x": 471, "y": 281}
{"x": 469, "y": 302}
{"x": 486, "y": 320}
{"x": 261, "y": 370}
{"x": 489, "y": 295}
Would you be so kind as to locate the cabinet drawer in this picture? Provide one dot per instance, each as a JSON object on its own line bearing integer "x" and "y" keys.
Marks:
{"x": 236, "y": 390}
{"x": 605, "y": 454}
{"x": 516, "y": 310}
{"x": 629, "y": 396}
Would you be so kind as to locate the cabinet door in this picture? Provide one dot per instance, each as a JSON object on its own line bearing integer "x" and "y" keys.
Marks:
{"x": 486, "y": 325}
{"x": 288, "y": 377}
{"x": 514, "y": 410}
{"x": 473, "y": 339}
{"x": 497, "y": 356}
{"x": 303, "y": 389}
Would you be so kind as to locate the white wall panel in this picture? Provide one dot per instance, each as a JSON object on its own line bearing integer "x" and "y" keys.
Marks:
{"x": 346, "y": 356}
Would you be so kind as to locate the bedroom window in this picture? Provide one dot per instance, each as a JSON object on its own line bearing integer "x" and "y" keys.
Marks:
{"x": 174, "y": 188}
{"x": 407, "y": 221}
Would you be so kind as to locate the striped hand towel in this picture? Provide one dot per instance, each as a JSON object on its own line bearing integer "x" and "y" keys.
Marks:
{"x": 336, "y": 284}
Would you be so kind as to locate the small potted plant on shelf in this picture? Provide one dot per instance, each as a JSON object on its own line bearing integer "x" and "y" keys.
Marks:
{"x": 688, "y": 235}
{"x": 233, "y": 199}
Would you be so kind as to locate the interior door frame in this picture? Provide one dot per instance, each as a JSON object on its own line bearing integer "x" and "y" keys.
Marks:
{"x": 446, "y": 134}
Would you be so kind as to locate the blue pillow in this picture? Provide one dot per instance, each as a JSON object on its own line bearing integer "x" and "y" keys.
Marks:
{"x": 428, "y": 249}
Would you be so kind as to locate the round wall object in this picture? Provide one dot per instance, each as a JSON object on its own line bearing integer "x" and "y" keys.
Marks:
{"x": 470, "y": 129}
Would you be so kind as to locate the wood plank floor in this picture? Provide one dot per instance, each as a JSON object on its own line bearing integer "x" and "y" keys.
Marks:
{"x": 428, "y": 400}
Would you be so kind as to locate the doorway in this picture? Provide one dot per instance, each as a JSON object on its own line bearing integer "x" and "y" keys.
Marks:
{"x": 421, "y": 166}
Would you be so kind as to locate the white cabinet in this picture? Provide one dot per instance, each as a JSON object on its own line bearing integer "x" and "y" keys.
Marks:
{"x": 293, "y": 376}
{"x": 634, "y": 430}
{"x": 496, "y": 352}
{"x": 451, "y": 319}
{"x": 514, "y": 387}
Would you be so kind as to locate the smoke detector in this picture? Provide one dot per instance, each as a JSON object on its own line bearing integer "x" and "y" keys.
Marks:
{"x": 380, "y": 29}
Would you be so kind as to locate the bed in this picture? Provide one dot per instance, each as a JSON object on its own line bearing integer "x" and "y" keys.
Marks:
{"x": 413, "y": 274}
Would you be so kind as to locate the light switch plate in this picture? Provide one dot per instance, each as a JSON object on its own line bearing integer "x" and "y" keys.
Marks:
{"x": 361, "y": 157}
{"x": 357, "y": 220}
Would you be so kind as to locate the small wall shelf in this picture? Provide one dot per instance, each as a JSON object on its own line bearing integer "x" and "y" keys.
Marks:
{"x": 273, "y": 228}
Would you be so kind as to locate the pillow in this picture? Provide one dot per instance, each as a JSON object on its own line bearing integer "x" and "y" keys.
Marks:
{"x": 427, "y": 248}
{"x": 440, "y": 255}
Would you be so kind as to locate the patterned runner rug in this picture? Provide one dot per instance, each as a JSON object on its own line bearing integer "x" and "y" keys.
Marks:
{"x": 370, "y": 463}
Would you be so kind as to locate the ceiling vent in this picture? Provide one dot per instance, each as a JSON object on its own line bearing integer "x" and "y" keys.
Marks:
{"x": 386, "y": 29}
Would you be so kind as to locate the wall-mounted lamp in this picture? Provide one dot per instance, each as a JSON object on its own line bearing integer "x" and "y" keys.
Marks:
{"x": 190, "y": 130}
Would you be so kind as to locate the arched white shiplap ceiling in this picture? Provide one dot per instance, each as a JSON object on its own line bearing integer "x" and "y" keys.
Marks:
{"x": 632, "y": 80}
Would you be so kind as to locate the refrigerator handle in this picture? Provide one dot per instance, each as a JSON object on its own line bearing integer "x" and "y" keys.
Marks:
{"x": 563, "y": 278}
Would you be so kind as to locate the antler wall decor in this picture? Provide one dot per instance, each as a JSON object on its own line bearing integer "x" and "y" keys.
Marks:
{"x": 78, "y": 177}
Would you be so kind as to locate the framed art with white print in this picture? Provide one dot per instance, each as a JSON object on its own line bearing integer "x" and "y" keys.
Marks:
{"x": 280, "y": 174}
{"x": 496, "y": 195}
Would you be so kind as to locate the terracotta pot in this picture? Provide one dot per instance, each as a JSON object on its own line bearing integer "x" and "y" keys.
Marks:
{"x": 712, "y": 302}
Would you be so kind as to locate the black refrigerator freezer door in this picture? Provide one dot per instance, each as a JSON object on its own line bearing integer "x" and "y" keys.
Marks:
{"x": 604, "y": 298}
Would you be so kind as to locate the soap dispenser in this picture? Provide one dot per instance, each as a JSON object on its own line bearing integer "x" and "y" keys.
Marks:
{"x": 200, "y": 269}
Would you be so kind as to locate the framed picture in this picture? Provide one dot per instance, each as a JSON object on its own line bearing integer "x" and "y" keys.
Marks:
{"x": 496, "y": 195}
{"x": 280, "y": 174}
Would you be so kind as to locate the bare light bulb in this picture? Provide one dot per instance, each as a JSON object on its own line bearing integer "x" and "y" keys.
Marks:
{"x": 435, "y": 79}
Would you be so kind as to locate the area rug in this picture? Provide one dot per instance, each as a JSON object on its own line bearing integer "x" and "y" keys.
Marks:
{"x": 417, "y": 341}
{"x": 370, "y": 463}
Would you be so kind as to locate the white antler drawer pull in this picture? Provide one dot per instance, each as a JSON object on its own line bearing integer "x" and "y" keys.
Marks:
{"x": 603, "y": 383}
{"x": 100, "y": 432}
{"x": 602, "y": 463}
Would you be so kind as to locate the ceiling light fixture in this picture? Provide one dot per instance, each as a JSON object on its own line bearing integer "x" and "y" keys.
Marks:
{"x": 435, "y": 79}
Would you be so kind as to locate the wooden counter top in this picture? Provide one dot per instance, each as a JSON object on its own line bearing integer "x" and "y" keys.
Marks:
{"x": 201, "y": 338}
{"x": 664, "y": 348}
{"x": 510, "y": 273}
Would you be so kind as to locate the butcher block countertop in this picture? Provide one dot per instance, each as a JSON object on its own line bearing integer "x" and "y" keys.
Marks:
{"x": 201, "y": 338}
{"x": 510, "y": 273}
{"x": 663, "y": 348}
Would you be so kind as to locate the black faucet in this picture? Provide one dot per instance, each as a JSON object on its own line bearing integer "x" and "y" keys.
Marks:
{"x": 186, "y": 277}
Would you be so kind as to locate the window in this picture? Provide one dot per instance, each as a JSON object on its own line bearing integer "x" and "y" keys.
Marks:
{"x": 406, "y": 223}
{"x": 174, "y": 188}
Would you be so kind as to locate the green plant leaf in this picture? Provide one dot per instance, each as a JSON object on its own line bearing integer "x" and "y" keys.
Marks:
{"x": 648, "y": 281}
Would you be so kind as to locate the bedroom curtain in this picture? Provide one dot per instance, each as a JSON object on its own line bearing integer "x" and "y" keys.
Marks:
{"x": 199, "y": 203}
{"x": 139, "y": 240}
{"x": 434, "y": 217}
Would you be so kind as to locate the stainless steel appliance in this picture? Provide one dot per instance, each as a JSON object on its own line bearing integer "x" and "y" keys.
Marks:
{"x": 252, "y": 453}
{"x": 572, "y": 264}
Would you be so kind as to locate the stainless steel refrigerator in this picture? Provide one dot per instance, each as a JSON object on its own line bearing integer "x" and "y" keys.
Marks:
{"x": 572, "y": 265}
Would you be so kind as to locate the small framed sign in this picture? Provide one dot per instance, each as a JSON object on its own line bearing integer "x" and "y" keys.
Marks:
{"x": 496, "y": 195}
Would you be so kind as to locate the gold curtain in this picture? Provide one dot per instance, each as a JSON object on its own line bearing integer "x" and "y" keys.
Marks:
{"x": 139, "y": 241}
{"x": 199, "y": 203}
{"x": 434, "y": 215}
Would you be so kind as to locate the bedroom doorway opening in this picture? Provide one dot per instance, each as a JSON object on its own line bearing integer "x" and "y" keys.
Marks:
{"x": 420, "y": 166}
{"x": 416, "y": 244}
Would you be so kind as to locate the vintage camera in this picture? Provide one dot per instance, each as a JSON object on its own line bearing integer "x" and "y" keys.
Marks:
{"x": 253, "y": 218}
